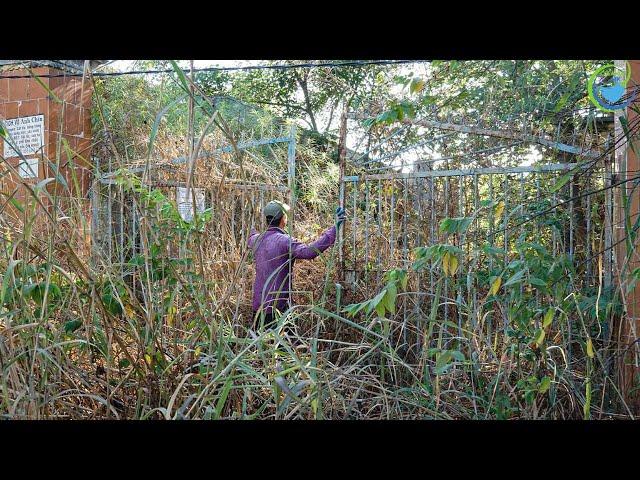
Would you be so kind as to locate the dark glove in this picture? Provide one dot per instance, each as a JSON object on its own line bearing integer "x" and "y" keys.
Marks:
{"x": 340, "y": 216}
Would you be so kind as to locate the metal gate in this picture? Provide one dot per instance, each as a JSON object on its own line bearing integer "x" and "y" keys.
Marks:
{"x": 392, "y": 214}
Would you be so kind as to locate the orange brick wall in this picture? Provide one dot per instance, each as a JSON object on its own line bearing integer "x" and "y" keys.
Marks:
{"x": 68, "y": 119}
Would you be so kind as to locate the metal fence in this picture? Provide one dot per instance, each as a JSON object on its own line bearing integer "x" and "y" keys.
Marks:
{"x": 392, "y": 214}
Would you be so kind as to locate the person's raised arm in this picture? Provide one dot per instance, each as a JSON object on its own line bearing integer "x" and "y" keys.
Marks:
{"x": 307, "y": 252}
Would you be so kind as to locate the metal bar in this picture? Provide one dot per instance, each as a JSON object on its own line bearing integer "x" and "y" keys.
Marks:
{"x": 378, "y": 242}
{"x": 405, "y": 235}
{"x": 504, "y": 134}
{"x": 476, "y": 206}
{"x": 231, "y": 148}
{"x": 477, "y": 171}
{"x": 354, "y": 229}
{"x": 506, "y": 239}
{"x": 366, "y": 231}
{"x": 291, "y": 162}
{"x": 392, "y": 238}
{"x": 554, "y": 234}
{"x": 521, "y": 206}
{"x": 446, "y": 236}
{"x": 121, "y": 228}
{"x": 459, "y": 294}
{"x": 571, "y": 219}
{"x": 342, "y": 163}
{"x": 405, "y": 251}
{"x": 588, "y": 239}
{"x": 406, "y": 149}
{"x": 230, "y": 186}
{"x": 418, "y": 208}
{"x": 110, "y": 218}
{"x": 607, "y": 260}
{"x": 378, "y": 145}
{"x": 432, "y": 230}
{"x": 225, "y": 149}
{"x": 291, "y": 177}
{"x": 465, "y": 158}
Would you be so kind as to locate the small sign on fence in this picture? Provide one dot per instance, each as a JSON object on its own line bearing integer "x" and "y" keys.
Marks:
{"x": 185, "y": 202}
{"x": 26, "y": 134}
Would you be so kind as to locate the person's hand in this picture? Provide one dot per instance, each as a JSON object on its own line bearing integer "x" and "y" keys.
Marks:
{"x": 340, "y": 216}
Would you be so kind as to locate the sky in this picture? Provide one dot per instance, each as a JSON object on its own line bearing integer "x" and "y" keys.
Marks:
{"x": 122, "y": 65}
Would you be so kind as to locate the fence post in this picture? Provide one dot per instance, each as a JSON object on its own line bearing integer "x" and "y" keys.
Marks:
{"x": 291, "y": 161}
{"x": 342, "y": 159}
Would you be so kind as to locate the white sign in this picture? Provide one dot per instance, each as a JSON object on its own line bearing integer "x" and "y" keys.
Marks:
{"x": 26, "y": 134}
{"x": 185, "y": 202}
{"x": 28, "y": 168}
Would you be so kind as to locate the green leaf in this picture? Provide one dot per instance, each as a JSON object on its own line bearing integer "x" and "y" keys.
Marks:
{"x": 354, "y": 308}
{"x": 17, "y": 205}
{"x": 516, "y": 278}
{"x": 537, "y": 282}
{"x": 72, "y": 325}
{"x": 561, "y": 182}
{"x": 156, "y": 123}
{"x": 539, "y": 336}
{"x": 545, "y": 383}
{"x": 43, "y": 183}
{"x": 223, "y": 397}
{"x": 442, "y": 362}
{"x": 111, "y": 304}
{"x": 548, "y": 318}
{"x": 458, "y": 355}
{"x": 455, "y": 225}
{"x": 124, "y": 363}
{"x": 373, "y": 303}
{"x": 403, "y": 281}
{"x": 390, "y": 298}
{"x": 181, "y": 76}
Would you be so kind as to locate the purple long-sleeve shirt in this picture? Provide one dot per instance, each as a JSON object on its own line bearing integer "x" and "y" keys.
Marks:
{"x": 271, "y": 250}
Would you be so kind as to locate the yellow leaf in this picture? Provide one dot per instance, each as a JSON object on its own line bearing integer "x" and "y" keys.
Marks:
{"x": 197, "y": 352}
{"x": 129, "y": 311}
{"x": 170, "y": 315}
{"x": 495, "y": 286}
{"x": 590, "y": 348}
{"x": 453, "y": 265}
{"x": 147, "y": 358}
{"x": 418, "y": 85}
{"x": 499, "y": 209}
{"x": 445, "y": 263}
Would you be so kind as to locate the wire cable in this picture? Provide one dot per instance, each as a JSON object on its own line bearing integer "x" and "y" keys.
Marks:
{"x": 226, "y": 69}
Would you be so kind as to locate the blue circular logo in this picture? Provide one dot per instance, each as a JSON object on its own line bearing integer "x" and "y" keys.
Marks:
{"x": 607, "y": 88}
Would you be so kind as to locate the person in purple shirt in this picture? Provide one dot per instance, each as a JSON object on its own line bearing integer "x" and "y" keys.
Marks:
{"x": 275, "y": 253}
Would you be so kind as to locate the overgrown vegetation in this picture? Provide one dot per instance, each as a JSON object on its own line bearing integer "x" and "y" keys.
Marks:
{"x": 164, "y": 329}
